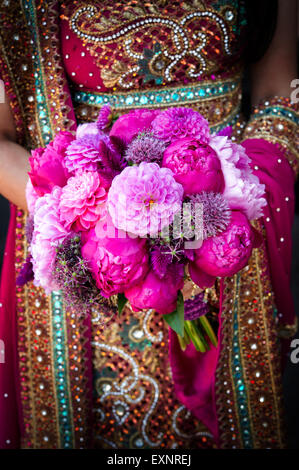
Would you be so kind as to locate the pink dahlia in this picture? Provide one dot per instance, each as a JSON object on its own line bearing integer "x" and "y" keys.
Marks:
{"x": 116, "y": 262}
{"x": 195, "y": 165}
{"x": 85, "y": 153}
{"x": 48, "y": 167}
{"x": 243, "y": 191}
{"x": 227, "y": 253}
{"x": 48, "y": 233}
{"x": 131, "y": 124}
{"x": 83, "y": 201}
{"x": 177, "y": 123}
{"x": 143, "y": 199}
{"x": 152, "y": 292}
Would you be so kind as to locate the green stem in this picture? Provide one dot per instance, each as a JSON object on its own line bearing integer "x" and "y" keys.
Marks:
{"x": 194, "y": 336}
{"x": 208, "y": 329}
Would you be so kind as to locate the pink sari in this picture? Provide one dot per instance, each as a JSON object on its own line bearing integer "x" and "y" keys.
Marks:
{"x": 194, "y": 373}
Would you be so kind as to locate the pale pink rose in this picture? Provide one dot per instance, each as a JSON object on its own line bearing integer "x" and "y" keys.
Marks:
{"x": 243, "y": 190}
{"x": 48, "y": 233}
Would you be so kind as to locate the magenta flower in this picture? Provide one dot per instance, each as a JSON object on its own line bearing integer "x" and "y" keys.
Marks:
{"x": 143, "y": 199}
{"x": 177, "y": 123}
{"x": 243, "y": 191}
{"x": 131, "y": 124}
{"x": 227, "y": 253}
{"x": 48, "y": 233}
{"x": 195, "y": 166}
{"x": 83, "y": 201}
{"x": 48, "y": 167}
{"x": 117, "y": 262}
{"x": 152, "y": 292}
{"x": 105, "y": 117}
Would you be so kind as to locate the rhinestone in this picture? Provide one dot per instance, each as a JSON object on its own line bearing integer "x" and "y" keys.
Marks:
{"x": 39, "y": 358}
{"x": 250, "y": 321}
{"x": 41, "y": 386}
{"x": 44, "y": 412}
{"x": 138, "y": 442}
{"x": 262, "y": 399}
{"x": 229, "y": 15}
{"x": 287, "y": 199}
{"x": 138, "y": 334}
{"x": 46, "y": 438}
{"x": 38, "y": 331}
{"x": 253, "y": 346}
{"x": 30, "y": 98}
{"x": 16, "y": 37}
{"x": 106, "y": 387}
{"x": 278, "y": 209}
{"x": 120, "y": 410}
{"x": 37, "y": 303}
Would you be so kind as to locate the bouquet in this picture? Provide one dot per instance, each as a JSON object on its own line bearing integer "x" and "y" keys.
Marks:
{"x": 132, "y": 208}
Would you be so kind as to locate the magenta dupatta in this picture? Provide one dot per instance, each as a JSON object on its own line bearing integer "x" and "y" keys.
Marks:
{"x": 193, "y": 372}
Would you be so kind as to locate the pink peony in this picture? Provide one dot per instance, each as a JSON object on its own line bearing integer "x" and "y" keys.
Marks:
{"x": 117, "y": 262}
{"x": 83, "y": 201}
{"x": 48, "y": 233}
{"x": 225, "y": 254}
{"x": 85, "y": 153}
{"x": 31, "y": 196}
{"x": 152, "y": 292}
{"x": 143, "y": 199}
{"x": 131, "y": 124}
{"x": 243, "y": 191}
{"x": 48, "y": 166}
{"x": 194, "y": 165}
{"x": 177, "y": 123}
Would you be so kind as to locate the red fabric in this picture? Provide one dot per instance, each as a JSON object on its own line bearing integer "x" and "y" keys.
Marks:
{"x": 193, "y": 372}
{"x": 9, "y": 428}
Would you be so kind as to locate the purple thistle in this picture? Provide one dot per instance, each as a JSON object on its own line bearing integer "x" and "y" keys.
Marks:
{"x": 196, "y": 307}
{"x": 160, "y": 260}
{"x": 145, "y": 148}
{"x": 105, "y": 117}
{"x": 26, "y": 273}
{"x": 216, "y": 212}
{"x": 166, "y": 256}
{"x": 73, "y": 276}
{"x": 112, "y": 163}
{"x": 29, "y": 229}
